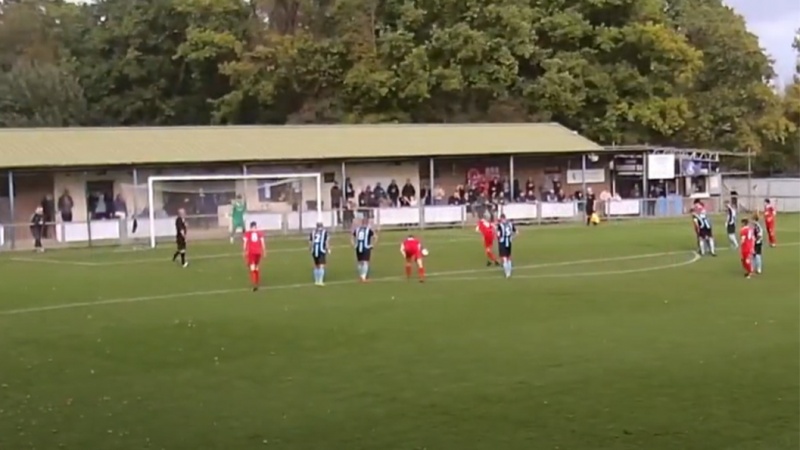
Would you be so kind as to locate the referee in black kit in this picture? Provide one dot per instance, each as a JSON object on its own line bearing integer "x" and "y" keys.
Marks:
{"x": 37, "y": 228}
{"x": 590, "y": 206}
{"x": 180, "y": 238}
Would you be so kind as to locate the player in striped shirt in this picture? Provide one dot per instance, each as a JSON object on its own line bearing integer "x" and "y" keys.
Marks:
{"x": 363, "y": 239}
{"x": 705, "y": 235}
{"x": 730, "y": 224}
{"x": 318, "y": 241}
{"x": 758, "y": 244}
{"x": 505, "y": 236}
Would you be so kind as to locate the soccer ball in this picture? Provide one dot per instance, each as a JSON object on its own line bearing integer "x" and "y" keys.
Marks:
{"x": 424, "y": 252}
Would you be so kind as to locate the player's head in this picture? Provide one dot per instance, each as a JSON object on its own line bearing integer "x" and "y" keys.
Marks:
{"x": 182, "y": 212}
{"x": 365, "y": 221}
{"x": 745, "y": 222}
{"x": 253, "y": 225}
{"x": 502, "y": 217}
{"x": 766, "y": 201}
{"x": 319, "y": 225}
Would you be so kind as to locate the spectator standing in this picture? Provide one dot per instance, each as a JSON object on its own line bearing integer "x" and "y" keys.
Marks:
{"x": 379, "y": 192}
{"x": 38, "y": 225}
{"x": 425, "y": 195}
{"x": 349, "y": 192}
{"x": 408, "y": 191}
{"x": 439, "y": 196}
{"x": 120, "y": 207}
{"x": 49, "y": 211}
{"x": 393, "y": 192}
{"x": 530, "y": 189}
{"x": 336, "y": 196}
{"x": 65, "y": 205}
{"x": 363, "y": 197}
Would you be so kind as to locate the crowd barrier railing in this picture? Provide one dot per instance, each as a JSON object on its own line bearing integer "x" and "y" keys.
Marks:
{"x": 121, "y": 231}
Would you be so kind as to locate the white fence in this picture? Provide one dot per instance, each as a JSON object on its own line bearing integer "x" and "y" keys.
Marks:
{"x": 783, "y": 192}
{"x": 217, "y": 226}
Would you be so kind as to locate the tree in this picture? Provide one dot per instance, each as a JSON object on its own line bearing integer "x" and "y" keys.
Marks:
{"x": 40, "y": 95}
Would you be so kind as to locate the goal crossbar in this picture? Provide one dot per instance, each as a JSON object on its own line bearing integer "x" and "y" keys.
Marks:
{"x": 152, "y": 180}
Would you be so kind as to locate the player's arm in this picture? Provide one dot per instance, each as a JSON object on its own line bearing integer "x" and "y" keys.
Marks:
{"x": 402, "y": 250}
{"x": 263, "y": 245}
{"x": 374, "y": 236}
{"x": 244, "y": 244}
{"x": 353, "y": 238}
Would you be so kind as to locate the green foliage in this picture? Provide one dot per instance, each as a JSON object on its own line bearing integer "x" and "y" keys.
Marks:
{"x": 681, "y": 72}
{"x": 40, "y": 95}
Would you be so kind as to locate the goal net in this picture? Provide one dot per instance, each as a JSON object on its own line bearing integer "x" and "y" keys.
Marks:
{"x": 216, "y": 206}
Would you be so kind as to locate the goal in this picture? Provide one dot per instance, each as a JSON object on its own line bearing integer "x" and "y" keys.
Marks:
{"x": 276, "y": 202}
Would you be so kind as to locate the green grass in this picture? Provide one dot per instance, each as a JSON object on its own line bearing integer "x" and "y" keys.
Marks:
{"x": 611, "y": 338}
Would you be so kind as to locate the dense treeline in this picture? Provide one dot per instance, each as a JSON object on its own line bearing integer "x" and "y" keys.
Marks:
{"x": 679, "y": 72}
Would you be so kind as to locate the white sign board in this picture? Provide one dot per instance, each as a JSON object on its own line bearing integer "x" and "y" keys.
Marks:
{"x": 592, "y": 176}
{"x": 660, "y": 167}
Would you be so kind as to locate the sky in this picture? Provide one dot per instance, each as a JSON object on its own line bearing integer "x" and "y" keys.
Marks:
{"x": 775, "y": 23}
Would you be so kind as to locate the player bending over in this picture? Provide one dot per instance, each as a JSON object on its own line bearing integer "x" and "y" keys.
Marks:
{"x": 238, "y": 208}
{"x": 769, "y": 221}
{"x": 705, "y": 236}
{"x": 319, "y": 252}
{"x": 746, "y": 247}
{"x": 412, "y": 251}
{"x": 254, "y": 249}
{"x": 486, "y": 229}
{"x": 505, "y": 235}
{"x": 363, "y": 240}
{"x": 730, "y": 224}
{"x": 180, "y": 238}
{"x": 758, "y": 243}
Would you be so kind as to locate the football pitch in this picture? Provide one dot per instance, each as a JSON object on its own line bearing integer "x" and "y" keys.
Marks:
{"x": 611, "y": 337}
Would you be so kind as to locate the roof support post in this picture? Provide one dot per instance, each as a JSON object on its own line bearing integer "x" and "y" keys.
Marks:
{"x": 583, "y": 180}
{"x": 512, "y": 194}
{"x": 244, "y": 186}
{"x": 432, "y": 178}
{"x": 645, "y": 187}
{"x": 11, "y": 208}
{"x": 135, "y": 176}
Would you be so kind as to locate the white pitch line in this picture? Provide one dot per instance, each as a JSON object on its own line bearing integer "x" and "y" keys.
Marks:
{"x": 180, "y": 295}
{"x": 219, "y": 255}
{"x": 54, "y": 261}
{"x": 696, "y": 257}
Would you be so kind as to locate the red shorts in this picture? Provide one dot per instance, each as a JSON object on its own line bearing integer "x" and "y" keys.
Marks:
{"x": 412, "y": 256}
{"x": 770, "y": 225}
{"x": 746, "y": 255}
{"x": 253, "y": 259}
{"x": 488, "y": 241}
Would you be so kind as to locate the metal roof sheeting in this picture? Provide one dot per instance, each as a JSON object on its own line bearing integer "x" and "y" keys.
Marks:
{"x": 71, "y": 147}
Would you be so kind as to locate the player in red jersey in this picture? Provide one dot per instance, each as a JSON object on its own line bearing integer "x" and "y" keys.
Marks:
{"x": 412, "y": 251}
{"x": 769, "y": 222}
{"x": 486, "y": 229}
{"x": 748, "y": 242}
{"x": 254, "y": 249}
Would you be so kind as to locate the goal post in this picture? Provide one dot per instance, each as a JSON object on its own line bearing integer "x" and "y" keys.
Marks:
{"x": 251, "y": 188}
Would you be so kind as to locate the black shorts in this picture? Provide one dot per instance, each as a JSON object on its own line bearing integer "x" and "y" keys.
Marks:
{"x": 731, "y": 229}
{"x": 504, "y": 251}
{"x": 705, "y": 233}
{"x": 757, "y": 248}
{"x": 364, "y": 256}
{"x": 180, "y": 242}
{"x": 319, "y": 260}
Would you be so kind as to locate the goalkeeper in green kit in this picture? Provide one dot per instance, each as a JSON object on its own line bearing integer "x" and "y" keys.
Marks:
{"x": 238, "y": 209}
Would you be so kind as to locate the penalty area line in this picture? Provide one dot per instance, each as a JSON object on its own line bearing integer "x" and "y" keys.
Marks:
{"x": 193, "y": 294}
{"x": 695, "y": 258}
